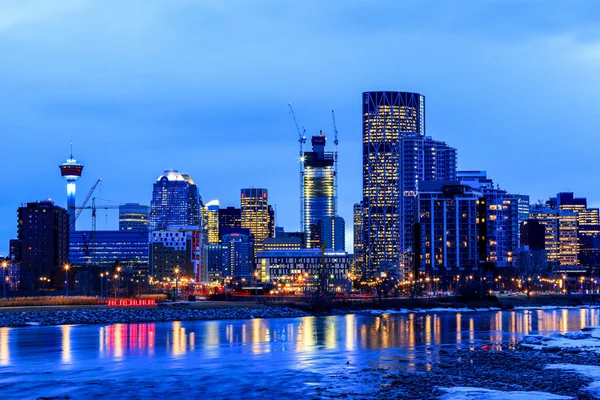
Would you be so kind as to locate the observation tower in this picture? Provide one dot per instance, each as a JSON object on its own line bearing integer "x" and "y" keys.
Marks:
{"x": 71, "y": 170}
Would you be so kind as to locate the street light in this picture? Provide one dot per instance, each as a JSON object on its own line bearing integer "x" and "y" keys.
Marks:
{"x": 118, "y": 281}
{"x": 176, "y": 281}
{"x": 101, "y": 284}
{"x": 4, "y": 267}
{"x": 67, "y": 281}
{"x": 256, "y": 285}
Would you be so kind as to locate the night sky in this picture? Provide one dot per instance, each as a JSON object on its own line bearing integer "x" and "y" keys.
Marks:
{"x": 203, "y": 87}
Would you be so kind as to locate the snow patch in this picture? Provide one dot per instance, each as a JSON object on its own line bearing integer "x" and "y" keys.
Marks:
{"x": 589, "y": 371}
{"x": 470, "y": 393}
{"x": 588, "y": 339}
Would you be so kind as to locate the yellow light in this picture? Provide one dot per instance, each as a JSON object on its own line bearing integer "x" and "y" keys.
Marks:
{"x": 67, "y": 266}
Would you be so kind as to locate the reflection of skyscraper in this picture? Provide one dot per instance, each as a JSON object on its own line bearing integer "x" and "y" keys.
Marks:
{"x": 318, "y": 188}
{"x": 396, "y": 157}
{"x": 175, "y": 201}
{"x": 71, "y": 170}
{"x": 257, "y": 215}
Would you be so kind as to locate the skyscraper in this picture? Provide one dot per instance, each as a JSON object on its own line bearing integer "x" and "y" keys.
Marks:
{"x": 134, "y": 217}
{"x": 257, "y": 215}
{"x": 175, "y": 201}
{"x": 396, "y": 157}
{"x": 318, "y": 188}
{"x": 238, "y": 255}
{"x": 229, "y": 217}
{"x": 211, "y": 212}
{"x": 333, "y": 233}
{"x": 71, "y": 170}
{"x": 43, "y": 234}
{"x": 359, "y": 248}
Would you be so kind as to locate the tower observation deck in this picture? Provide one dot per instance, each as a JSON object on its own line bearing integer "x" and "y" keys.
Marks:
{"x": 71, "y": 170}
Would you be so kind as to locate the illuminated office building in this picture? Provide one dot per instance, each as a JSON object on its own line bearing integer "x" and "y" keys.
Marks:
{"x": 358, "y": 231}
{"x": 257, "y": 215}
{"x": 175, "y": 201}
{"x": 177, "y": 248}
{"x": 238, "y": 254}
{"x": 211, "y": 221}
{"x": 285, "y": 241}
{"x": 127, "y": 248}
{"x": 134, "y": 217}
{"x": 561, "y": 235}
{"x": 396, "y": 157}
{"x": 318, "y": 188}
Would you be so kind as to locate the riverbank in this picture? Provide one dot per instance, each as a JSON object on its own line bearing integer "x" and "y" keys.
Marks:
{"x": 105, "y": 315}
{"x": 487, "y": 374}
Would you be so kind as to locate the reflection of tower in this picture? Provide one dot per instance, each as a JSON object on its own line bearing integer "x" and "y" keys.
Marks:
{"x": 71, "y": 170}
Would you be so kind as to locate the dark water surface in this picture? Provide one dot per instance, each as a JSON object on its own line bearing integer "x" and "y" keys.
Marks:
{"x": 259, "y": 358}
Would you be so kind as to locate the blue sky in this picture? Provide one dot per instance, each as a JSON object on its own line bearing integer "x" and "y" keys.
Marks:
{"x": 203, "y": 87}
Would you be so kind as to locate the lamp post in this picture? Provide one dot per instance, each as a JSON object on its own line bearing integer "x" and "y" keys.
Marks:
{"x": 256, "y": 285}
{"x": 101, "y": 284}
{"x": 67, "y": 280}
{"x": 118, "y": 282}
{"x": 176, "y": 281}
{"x": 4, "y": 267}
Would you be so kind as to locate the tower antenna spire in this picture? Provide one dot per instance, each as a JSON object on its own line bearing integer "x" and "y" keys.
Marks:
{"x": 71, "y": 148}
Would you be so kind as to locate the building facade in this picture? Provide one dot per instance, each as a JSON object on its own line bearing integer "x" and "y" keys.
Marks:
{"x": 332, "y": 232}
{"x": 450, "y": 229}
{"x": 256, "y": 215}
{"x": 562, "y": 245}
{"x": 358, "y": 242}
{"x": 238, "y": 253}
{"x": 229, "y": 217}
{"x": 43, "y": 234}
{"x": 177, "y": 248}
{"x": 175, "y": 201}
{"x": 211, "y": 221}
{"x": 134, "y": 217}
{"x": 318, "y": 188}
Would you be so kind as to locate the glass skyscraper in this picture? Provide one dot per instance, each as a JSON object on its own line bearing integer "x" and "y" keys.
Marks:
{"x": 133, "y": 217}
{"x": 318, "y": 189}
{"x": 175, "y": 201}
{"x": 257, "y": 215}
{"x": 396, "y": 157}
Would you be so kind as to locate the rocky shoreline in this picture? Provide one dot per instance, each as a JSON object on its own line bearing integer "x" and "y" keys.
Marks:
{"x": 138, "y": 315}
{"x": 510, "y": 371}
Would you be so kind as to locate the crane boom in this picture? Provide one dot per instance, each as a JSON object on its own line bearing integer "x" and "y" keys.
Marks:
{"x": 335, "y": 162}
{"x": 301, "y": 141}
{"x": 84, "y": 202}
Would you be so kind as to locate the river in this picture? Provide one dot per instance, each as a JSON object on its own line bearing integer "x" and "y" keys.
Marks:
{"x": 249, "y": 358}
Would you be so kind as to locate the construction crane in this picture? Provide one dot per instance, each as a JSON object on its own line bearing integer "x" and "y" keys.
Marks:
{"x": 82, "y": 205}
{"x": 335, "y": 164}
{"x": 301, "y": 141}
{"x": 90, "y": 244}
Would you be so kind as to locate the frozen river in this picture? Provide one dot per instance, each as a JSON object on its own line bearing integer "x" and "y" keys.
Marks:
{"x": 257, "y": 358}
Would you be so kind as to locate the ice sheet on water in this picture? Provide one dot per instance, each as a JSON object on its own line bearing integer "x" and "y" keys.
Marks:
{"x": 589, "y": 371}
{"x": 588, "y": 339}
{"x": 470, "y": 393}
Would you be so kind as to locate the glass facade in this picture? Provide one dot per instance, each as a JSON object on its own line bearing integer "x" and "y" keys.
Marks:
{"x": 134, "y": 217}
{"x": 256, "y": 215}
{"x": 211, "y": 224}
{"x": 128, "y": 249}
{"x": 318, "y": 189}
{"x": 177, "y": 247}
{"x": 175, "y": 201}
{"x": 561, "y": 235}
{"x": 358, "y": 230}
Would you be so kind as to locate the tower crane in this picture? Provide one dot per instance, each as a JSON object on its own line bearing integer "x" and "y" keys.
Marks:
{"x": 335, "y": 163}
{"x": 83, "y": 204}
{"x": 90, "y": 244}
{"x": 301, "y": 141}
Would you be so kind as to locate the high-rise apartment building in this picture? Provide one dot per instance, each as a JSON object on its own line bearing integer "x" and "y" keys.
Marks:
{"x": 177, "y": 251}
{"x": 318, "y": 188}
{"x": 257, "y": 215}
{"x": 43, "y": 234}
{"x": 450, "y": 230}
{"x": 238, "y": 255}
{"x": 134, "y": 217}
{"x": 396, "y": 157}
{"x": 561, "y": 235}
{"x": 175, "y": 201}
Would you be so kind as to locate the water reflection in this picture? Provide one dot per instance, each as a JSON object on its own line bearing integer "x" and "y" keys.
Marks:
{"x": 65, "y": 331}
{"x": 116, "y": 340}
{"x": 4, "y": 349}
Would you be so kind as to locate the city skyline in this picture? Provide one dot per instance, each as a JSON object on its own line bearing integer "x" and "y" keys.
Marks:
{"x": 111, "y": 112}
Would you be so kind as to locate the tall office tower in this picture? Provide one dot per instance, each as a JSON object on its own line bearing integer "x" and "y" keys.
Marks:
{"x": 439, "y": 161}
{"x": 318, "y": 188}
{"x": 333, "y": 233}
{"x": 396, "y": 157}
{"x": 175, "y": 201}
{"x": 43, "y": 233}
{"x": 533, "y": 234}
{"x": 71, "y": 170}
{"x": 134, "y": 217}
{"x": 230, "y": 217}
{"x": 561, "y": 235}
{"x": 211, "y": 224}
{"x": 238, "y": 255}
{"x": 358, "y": 231}
{"x": 450, "y": 230}
{"x": 257, "y": 215}
{"x": 214, "y": 263}
{"x": 588, "y": 228}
